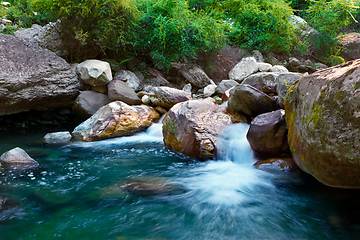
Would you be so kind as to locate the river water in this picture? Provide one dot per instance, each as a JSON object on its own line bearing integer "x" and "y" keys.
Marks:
{"x": 78, "y": 194}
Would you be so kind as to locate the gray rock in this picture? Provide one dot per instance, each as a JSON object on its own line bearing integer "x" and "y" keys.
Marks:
{"x": 265, "y": 81}
{"x": 47, "y": 37}
{"x": 196, "y": 76}
{"x": 247, "y": 100}
{"x": 279, "y": 69}
{"x": 258, "y": 56}
{"x": 120, "y": 91}
{"x": 243, "y": 69}
{"x": 57, "y": 137}
{"x": 283, "y": 83}
{"x": 88, "y": 102}
{"x": 350, "y": 44}
{"x": 130, "y": 78}
{"x": 94, "y": 72}
{"x": 167, "y": 97}
{"x": 18, "y": 159}
{"x": 264, "y": 67}
{"x": 209, "y": 90}
{"x": 320, "y": 66}
{"x": 32, "y": 77}
{"x": 187, "y": 88}
{"x": 225, "y": 85}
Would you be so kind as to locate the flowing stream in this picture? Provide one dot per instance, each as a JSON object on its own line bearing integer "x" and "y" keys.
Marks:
{"x": 78, "y": 194}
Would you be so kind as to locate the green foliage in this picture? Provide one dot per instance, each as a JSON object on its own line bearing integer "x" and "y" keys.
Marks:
{"x": 261, "y": 24}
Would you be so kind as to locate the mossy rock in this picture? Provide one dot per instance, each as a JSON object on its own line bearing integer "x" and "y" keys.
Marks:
{"x": 323, "y": 119}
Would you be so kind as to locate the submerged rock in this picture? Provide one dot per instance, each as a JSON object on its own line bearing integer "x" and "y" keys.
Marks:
{"x": 57, "y": 137}
{"x": 277, "y": 164}
{"x": 115, "y": 120}
{"x": 192, "y": 127}
{"x": 18, "y": 159}
{"x": 323, "y": 119}
{"x": 148, "y": 186}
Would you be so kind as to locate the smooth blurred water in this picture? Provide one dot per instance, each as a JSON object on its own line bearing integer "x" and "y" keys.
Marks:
{"x": 78, "y": 196}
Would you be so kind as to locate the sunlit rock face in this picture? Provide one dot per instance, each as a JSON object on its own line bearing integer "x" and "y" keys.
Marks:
{"x": 33, "y": 78}
{"x": 115, "y": 120}
{"x": 192, "y": 127}
{"x": 323, "y": 119}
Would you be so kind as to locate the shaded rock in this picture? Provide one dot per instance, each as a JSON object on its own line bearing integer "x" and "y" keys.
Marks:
{"x": 226, "y": 96}
{"x": 115, "y": 120}
{"x": 148, "y": 186}
{"x": 195, "y": 75}
{"x": 244, "y": 68}
{"x": 279, "y": 69}
{"x": 160, "y": 110}
{"x": 277, "y": 164}
{"x": 88, "y": 102}
{"x": 320, "y": 66}
{"x": 57, "y": 137}
{"x": 268, "y": 133}
{"x": 53, "y": 196}
{"x": 120, "y": 91}
{"x": 33, "y": 78}
{"x": 264, "y": 82}
{"x": 323, "y": 119}
{"x": 94, "y": 72}
{"x": 192, "y": 127}
{"x": 350, "y": 44}
{"x": 248, "y": 100}
{"x": 167, "y": 97}
{"x": 155, "y": 77}
{"x": 101, "y": 89}
{"x": 258, "y": 56}
{"x": 129, "y": 78}
{"x": 283, "y": 83}
{"x": 225, "y": 85}
{"x": 47, "y": 37}
{"x": 18, "y": 159}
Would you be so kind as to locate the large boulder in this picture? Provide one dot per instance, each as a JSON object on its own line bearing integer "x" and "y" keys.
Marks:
{"x": 94, "y": 72}
{"x": 88, "y": 102}
{"x": 264, "y": 81}
{"x": 129, "y": 77}
{"x": 268, "y": 133}
{"x": 323, "y": 119}
{"x": 196, "y": 76}
{"x": 350, "y": 44}
{"x": 33, "y": 78}
{"x": 192, "y": 127}
{"x": 120, "y": 91}
{"x": 167, "y": 97}
{"x": 250, "y": 101}
{"x": 18, "y": 159}
{"x": 243, "y": 69}
{"x": 115, "y": 120}
{"x": 47, "y": 37}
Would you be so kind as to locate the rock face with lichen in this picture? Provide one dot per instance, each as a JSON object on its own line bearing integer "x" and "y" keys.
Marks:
{"x": 192, "y": 127}
{"x": 323, "y": 119}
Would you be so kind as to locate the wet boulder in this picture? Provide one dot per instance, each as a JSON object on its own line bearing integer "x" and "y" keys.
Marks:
{"x": 94, "y": 72}
{"x": 148, "y": 186}
{"x": 323, "y": 119}
{"x": 248, "y": 100}
{"x": 88, "y": 102}
{"x": 277, "y": 164}
{"x": 120, "y": 91}
{"x": 192, "y": 127}
{"x": 32, "y": 77}
{"x": 268, "y": 133}
{"x": 115, "y": 120}
{"x": 167, "y": 97}
{"x": 57, "y": 137}
{"x": 243, "y": 69}
{"x": 18, "y": 159}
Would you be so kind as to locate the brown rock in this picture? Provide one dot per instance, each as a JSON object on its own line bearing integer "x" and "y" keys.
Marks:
{"x": 115, "y": 120}
{"x": 148, "y": 186}
{"x": 323, "y": 119}
{"x": 268, "y": 133}
{"x": 282, "y": 164}
{"x": 192, "y": 127}
{"x": 350, "y": 44}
